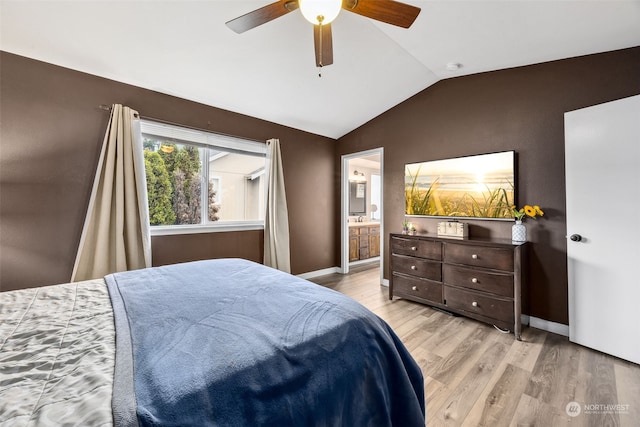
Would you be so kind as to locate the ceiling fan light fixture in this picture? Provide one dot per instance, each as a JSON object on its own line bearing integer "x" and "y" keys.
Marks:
{"x": 320, "y": 12}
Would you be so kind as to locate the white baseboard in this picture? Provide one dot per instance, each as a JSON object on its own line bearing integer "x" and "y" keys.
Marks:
{"x": 385, "y": 282}
{"x": 546, "y": 325}
{"x": 318, "y": 273}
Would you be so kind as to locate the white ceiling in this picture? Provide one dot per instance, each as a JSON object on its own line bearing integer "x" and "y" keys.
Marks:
{"x": 183, "y": 48}
{"x": 369, "y": 162}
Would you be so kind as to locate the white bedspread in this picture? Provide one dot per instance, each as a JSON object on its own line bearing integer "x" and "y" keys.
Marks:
{"x": 56, "y": 356}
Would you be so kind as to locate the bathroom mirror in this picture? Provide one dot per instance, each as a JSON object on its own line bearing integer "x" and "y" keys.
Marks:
{"x": 357, "y": 198}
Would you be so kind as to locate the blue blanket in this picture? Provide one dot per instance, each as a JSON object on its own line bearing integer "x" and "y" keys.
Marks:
{"x": 233, "y": 343}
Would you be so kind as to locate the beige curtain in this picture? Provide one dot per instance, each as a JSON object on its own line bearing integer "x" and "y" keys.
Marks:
{"x": 116, "y": 235}
{"x": 276, "y": 224}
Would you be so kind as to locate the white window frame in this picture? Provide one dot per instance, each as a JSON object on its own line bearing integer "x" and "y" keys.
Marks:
{"x": 219, "y": 180}
{"x": 182, "y": 135}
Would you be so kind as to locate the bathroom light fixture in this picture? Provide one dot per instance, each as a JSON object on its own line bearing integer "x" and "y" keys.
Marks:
{"x": 358, "y": 176}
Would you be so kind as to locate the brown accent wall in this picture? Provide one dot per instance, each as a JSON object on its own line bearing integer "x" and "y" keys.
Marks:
{"x": 51, "y": 129}
{"x": 519, "y": 109}
{"x": 247, "y": 245}
{"x": 50, "y": 135}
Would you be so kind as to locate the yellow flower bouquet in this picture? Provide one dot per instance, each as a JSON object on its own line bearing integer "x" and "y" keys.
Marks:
{"x": 527, "y": 211}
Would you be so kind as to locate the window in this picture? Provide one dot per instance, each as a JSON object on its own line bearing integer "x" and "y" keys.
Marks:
{"x": 199, "y": 181}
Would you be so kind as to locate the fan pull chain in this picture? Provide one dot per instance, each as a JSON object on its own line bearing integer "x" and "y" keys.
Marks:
{"x": 320, "y": 19}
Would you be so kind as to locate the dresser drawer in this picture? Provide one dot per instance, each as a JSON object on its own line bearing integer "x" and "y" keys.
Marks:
{"x": 478, "y": 256}
{"x": 416, "y": 247}
{"x": 374, "y": 231}
{"x": 419, "y": 288}
{"x": 475, "y": 302}
{"x": 420, "y": 267}
{"x": 476, "y": 279}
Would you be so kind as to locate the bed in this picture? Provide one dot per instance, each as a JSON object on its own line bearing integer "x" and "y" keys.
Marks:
{"x": 223, "y": 342}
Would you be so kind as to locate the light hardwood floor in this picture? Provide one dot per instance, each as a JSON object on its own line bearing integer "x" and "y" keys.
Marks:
{"x": 478, "y": 376}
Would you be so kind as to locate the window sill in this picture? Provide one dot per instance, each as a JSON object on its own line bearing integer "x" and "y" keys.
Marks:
{"x": 171, "y": 230}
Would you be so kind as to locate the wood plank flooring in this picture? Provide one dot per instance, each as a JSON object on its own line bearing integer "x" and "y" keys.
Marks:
{"x": 477, "y": 376}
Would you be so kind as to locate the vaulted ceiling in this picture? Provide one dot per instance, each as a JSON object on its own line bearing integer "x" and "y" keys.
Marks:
{"x": 183, "y": 48}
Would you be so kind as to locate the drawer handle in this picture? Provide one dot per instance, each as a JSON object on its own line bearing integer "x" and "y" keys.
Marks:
{"x": 413, "y": 267}
{"x": 414, "y": 248}
{"x": 414, "y": 288}
{"x": 475, "y": 304}
{"x": 474, "y": 280}
{"x": 474, "y": 256}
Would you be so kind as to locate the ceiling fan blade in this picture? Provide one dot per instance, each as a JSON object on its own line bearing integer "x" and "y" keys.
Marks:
{"x": 388, "y": 11}
{"x": 261, "y": 16}
{"x": 323, "y": 44}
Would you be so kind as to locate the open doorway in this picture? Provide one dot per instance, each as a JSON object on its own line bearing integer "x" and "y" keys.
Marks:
{"x": 362, "y": 209}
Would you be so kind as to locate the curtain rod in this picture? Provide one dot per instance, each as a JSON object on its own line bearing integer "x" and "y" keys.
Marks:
{"x": 166, "y": 122}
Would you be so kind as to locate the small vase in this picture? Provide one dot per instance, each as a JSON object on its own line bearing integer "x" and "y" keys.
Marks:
{"x": 519, "y": 232}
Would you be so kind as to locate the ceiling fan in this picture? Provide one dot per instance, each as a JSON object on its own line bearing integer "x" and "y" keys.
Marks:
{"x": 322, "y": 12}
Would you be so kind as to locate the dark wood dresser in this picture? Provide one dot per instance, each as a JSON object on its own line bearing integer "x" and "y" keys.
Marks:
{"x": 483, "y": 279}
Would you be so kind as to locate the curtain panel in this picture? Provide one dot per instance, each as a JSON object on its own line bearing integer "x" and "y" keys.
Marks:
{"x": 276, "y": 224}
{"x": 116, "y": 236}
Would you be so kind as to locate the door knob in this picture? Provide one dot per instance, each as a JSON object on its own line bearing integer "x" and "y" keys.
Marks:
{"x": 575, "y": 238}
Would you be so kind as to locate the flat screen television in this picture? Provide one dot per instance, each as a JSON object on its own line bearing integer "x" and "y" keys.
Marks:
{"x": 480, "y": 186}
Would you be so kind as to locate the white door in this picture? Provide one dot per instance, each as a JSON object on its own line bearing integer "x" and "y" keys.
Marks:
{"x": 602, "y": 151}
